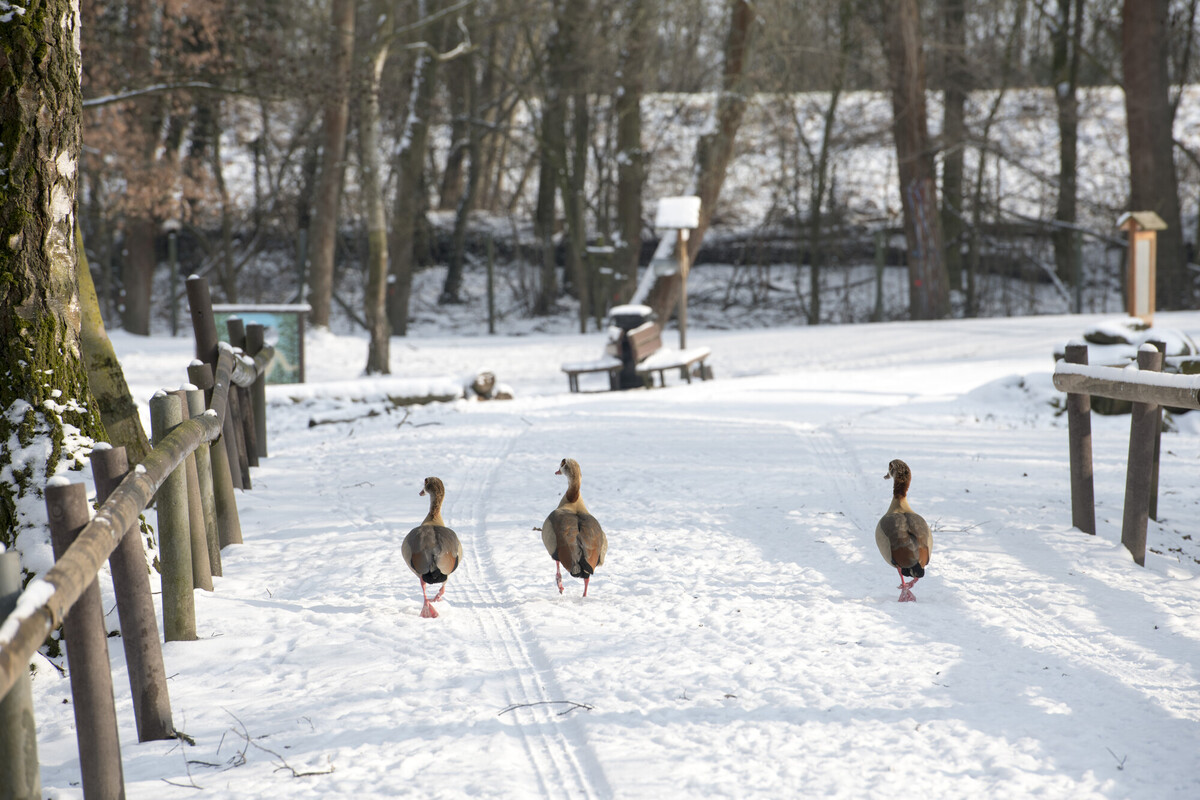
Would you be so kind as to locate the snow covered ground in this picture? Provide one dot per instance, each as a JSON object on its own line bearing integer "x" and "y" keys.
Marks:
{"x": 743, "y": 638}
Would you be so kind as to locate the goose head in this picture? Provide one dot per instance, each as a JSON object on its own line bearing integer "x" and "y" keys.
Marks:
{"x": 899, "y": 472}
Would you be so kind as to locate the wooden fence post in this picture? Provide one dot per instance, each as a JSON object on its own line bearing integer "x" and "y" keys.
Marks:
{"x": 135, "y": 608}
{"x": 255, "y": 339}
{"x": 204, "y": 479}
{"x": 1142, "y": 426}
{"x": 174, "y": 533}
{"x": 245, "y": 410}
{"x": 1161, "y": 347}
{"x": 229, "y": 527}
{"x": 201, "y": 563}
{"x": 237, "y": 435}
{"x": 20, "y": 779}
{"x": 204, "y": 326}
{"x": 87, "y": 656}
{"x": 1079, "y": 435}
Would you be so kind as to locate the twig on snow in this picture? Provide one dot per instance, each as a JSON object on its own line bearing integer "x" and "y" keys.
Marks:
{"x": 571, "y": 706}
{"x": 282, "y": 764}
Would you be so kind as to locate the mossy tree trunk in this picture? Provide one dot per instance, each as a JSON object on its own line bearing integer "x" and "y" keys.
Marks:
{"x": 47, "y": 413}
{"x": 116, "y": 405}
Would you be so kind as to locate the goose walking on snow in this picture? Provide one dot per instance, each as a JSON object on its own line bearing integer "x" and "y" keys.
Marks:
{"x": 902, "y": 534}
{"x": 431, "y": 550}
{"x": 571, "y": 534}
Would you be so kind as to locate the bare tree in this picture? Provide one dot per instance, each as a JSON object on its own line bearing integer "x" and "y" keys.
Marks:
{"x": 631, "y": 167}
{"x": 409, "y": 161}
{"x": 1067, "y": 38}
{"x": 929, "y": 296}
{"x": 1148, "y": 113}
{"x": 956, "y": 80}
{"x": 370, "y": 159}
{"x": 333, "y": 160}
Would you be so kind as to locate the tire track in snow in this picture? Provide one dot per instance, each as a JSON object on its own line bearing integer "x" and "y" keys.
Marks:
{"x": 563, "y": 761}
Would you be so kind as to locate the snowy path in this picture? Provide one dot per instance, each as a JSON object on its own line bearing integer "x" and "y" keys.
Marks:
{"x": 743, "y": 638}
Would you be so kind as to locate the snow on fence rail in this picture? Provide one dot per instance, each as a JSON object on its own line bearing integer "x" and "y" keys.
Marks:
{"x": 1149, "y": 390}
{"x": 192, "y": 486}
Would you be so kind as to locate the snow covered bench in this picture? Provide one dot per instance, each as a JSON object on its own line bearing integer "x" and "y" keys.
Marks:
{"x": 667, "y": 358}
{"x": 610, "y": 364}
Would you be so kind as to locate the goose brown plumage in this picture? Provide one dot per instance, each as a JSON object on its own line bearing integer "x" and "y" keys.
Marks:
{"x": 572, "y": 536}
{"x": 431, "y": 550}
{"x": 903, "y": 535}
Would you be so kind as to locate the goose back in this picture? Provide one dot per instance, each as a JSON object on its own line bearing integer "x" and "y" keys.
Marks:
{"x": 575, "y": 540}
{"x": 432, "y": 552}
{"x": 904, "y": 541}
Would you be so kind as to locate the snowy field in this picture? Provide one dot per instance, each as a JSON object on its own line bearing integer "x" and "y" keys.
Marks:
{"x": 743, "y": 638}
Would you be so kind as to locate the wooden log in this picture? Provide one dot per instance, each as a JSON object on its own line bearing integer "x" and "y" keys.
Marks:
{"x": 1079, "y": 435}
{"x": 135, "y": 609}
{"x": 20, "y": 779}
{"x": 76, "y": 569}
{"x": 1142, "y": 426}
{"x": 204, "y": 481}
{"x": 255, "y": 343}
{"x": 201, "y": 563}
{"x": 1182, "y": 391}
{"x": 174, "y": 533}
{"x": 87, "y": 655}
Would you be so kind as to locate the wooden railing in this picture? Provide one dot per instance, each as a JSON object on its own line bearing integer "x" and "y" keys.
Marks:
{"x": 192, "y": 487}
{"x": 1149, "y": 390}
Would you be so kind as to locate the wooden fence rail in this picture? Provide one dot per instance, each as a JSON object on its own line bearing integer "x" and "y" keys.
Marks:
{"x": 1149, "y": 390}
{"x": 82, "y": 546}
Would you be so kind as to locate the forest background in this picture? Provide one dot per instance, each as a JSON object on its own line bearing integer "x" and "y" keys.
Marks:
{"x": 324, "y": 151}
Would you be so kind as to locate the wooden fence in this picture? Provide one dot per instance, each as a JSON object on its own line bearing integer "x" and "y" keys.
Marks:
{"x": 1149, "y": 390}
{"x": 192, "y": 487}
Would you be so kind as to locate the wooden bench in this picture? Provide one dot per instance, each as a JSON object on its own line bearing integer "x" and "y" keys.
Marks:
{"x": 609, "y": 364}
{"x": 670, "y": 358}
{"x": 652, "y": 357}
{"x": 648, "y": 356}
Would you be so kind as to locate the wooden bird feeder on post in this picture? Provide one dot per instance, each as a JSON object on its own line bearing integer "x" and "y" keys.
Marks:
{"x": 1143, "y": 228}
{"x": 681, "y": 214}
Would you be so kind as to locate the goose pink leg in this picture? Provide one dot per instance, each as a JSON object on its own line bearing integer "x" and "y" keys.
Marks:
{"x": 906, "y": 595}
{"x": 558, "y": 576}
{"x": 585, "y": 585}
{"x": 427, "y": 610}
{"x": 440, "y": 594}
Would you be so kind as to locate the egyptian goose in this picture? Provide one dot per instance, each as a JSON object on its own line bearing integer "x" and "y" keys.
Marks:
{"x": 572, "y": 536}
{"x": 902, "y": 534}
{"x": 431, "y": 550}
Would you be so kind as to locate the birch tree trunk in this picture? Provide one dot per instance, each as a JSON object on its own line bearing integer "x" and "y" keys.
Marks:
{"x": 323, "y": 241}
{"x": 375, "y": 297}
{"x": 410, "y": 169}
{"x": 40, "y": 104}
